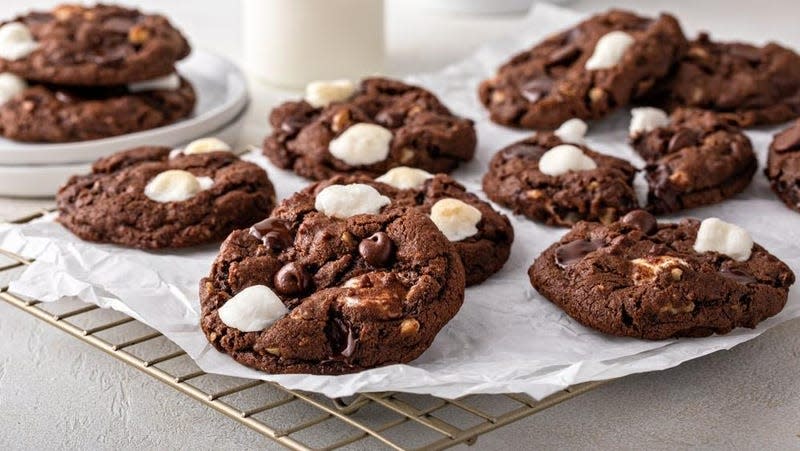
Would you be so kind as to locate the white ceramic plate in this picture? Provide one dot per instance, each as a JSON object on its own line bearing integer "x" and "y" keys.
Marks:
{"x": 44, "y": 181}
{"x": 221, "y": 95}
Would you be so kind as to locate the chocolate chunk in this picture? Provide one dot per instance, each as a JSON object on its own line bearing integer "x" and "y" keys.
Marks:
{"x": 273, "y": 232}
{"x": 564, "y": 55}
{"x": 573, "y": 252}
{"x": 641, "y": 220}
{"x": 683, "y": 138}
{"x": 536, "y": 88}
{"x": 341, "y": 337}
{"x": 737, "y": 275}
{"x": 788, "y": 139}
{"x": 377, "y": 250}
{"x": 293, "y": 280}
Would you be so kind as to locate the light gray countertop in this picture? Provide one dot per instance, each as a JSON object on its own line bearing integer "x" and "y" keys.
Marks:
{"x": 57, "y": 392}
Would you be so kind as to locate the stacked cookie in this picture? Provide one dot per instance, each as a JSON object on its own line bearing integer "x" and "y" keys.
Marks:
{"x": 78, "y": 73}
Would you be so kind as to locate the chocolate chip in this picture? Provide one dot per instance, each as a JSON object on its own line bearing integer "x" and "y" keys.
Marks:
{"x": 293, "y": 124}
{"x": 684, "y": 138}
{"x": 341, "y": 337}
{"x": 564, "y": 56}
{"x": 391, "y": 118}
{"x": 536, "y": 88}
{"x": 751, "y": 54}
{"x": 377, "y": 249}
{"x": 273, "y": 232}
{"x": 574, "y": 251}
{"x": 641, "y": 220}
{"x": 293, "y": 280}
{"x": 525, "y": 151}
{"x": 788, "y": 139}
{"x": 737, "y": 275}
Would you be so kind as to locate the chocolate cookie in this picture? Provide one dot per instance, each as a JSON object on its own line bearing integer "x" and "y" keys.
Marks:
{"x": 340, "y": 128}
{"x": 783, "y": 166}
{"x": 334, "y": 284}
{"x": 49, "y": 113}
{"x": 483, "y": 244}
{"x": 586, "y": 71}
{"x": 601, "y": 191}
{"x": 753, "y": 85}
{"x": 642, "y": 279}
{"x": 144, "y": 198}
{"x": 699, "y": 158}
{"x": 90, "y": 45}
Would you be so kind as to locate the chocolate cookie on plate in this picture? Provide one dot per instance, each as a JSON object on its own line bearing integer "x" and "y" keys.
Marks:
{"x": 584, "y": 72}
{"x": 694, "y": 158}
{"x": 156, "y": 197}
{"x": 90, "y": 46}
{"x": 556, "y": 179}
{"x": 341, "y": 128}
{"x": 639, "y": 278}
{"x": 332, "y": 282}
{"x": 481, "y": 235}
{"x": 752, "y": 85}
{"x": 783, "y": 165}
{"x": 50, "y": 113}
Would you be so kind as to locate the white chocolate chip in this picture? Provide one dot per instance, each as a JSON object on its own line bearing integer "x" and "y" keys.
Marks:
{"x": 646, "y": 119}
{"x": 169, "y": 82}
{"x": 10, "y": 86}
{"x": 564, "y": 158}
{"x": 456, "y": 219}
{"x": 343, "y": 201}
{"x": 175, "y": 185}
{"x": 323, "y": 93}
{"x": 362, "y": 144}
{"x": 16, "y": 41}
{"x": 404, "y": 177}
{"x": 205, "y": 145}
{"x": 609, "y": 50}
{"x": 252, "y": 309}
{"x": 572, "y": 131}
{"x": 715, "y": 235}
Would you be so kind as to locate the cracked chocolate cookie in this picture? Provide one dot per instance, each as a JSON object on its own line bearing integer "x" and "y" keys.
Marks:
{"x": 154, "y": 197}
{"x": 550, "y": 180}
{"x": 695, "y": 158}
{"x": 481, "y": 235}
{"x": 90, "y": 46}
{"x": 49, "y": 113}
{"x": 341, "y": 128}
{"x": 752, "y": 85}
{"x": 585, "y": 72}
{"x": 783, "y": 166}
{"x": 639, "y": 278}
{"x": 333, "y": 282}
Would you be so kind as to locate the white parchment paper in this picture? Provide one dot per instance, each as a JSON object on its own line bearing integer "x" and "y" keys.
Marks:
{"x": 506, "y": 337}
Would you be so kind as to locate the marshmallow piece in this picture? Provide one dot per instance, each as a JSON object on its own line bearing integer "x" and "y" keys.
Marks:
{"x": 10, "y": 86}
{"x": 252, "y": 309}
{"x": 456, "y": 219}
{"x": 609, "y": 50}
{"x": 715, "y": 235}
{"x": 175, "y": 185}
{"x": 205, "y": 145}
{"x": 572, "y": 131}
{"x": 343, "y": 201}
{"x": 16, "y": 41}
{"x": 361, "y": 144}
{"x": 169, "y": 82}
{"x": 322, "y": 93}
{"x": 404, "y": 177}
{"x": 647, "y": 119}
{"x": 564, "y": 158}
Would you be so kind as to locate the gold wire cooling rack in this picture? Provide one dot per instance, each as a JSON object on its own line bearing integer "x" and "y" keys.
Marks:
{"x": 295, "y": 419}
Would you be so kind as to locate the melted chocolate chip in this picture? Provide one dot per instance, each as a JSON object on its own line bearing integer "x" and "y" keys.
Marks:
{"x": 293, "y": 124}
{"x": 273, "y": 232}
{"x": 377, "y": 249}
{"x": 536, "y": 88}
{"x": 293, "y": 280}
{"x": 788, "y": 139}
{"x": 684, "y": 138}
{"x": 574, "y": 251}
{"x": 341, "y": 338}
{"x": 564, "y": 56}
{"x": 391, "y": 118}
{"x": 737, "y": 275}
{"x": 641, "y": 220}
{"x": 525, "y": 151}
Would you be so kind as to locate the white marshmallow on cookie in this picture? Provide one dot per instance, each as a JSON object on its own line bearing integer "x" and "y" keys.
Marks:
{"x": 404, "y": 177}
{"x": 362, "y": 144}
{"x": 715, "y": 235}
{"x": 565, "y": 158}
{"x": 205, "y": 145}
{"x": 456, "y": 219}
{"x": 176, "y": 185}
{"x": 646, "y": 119}
{"x": 343, "y": 201}
{"x": 572, "y": 131}
{"x": 169, "y": 82}
{"x": 16, "y": 41}
{"x": 10, "y": 86}
{"x": 609, "y": 50}
{"x": 322, "y": 93}
{"x": 253, "y": 309}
